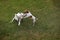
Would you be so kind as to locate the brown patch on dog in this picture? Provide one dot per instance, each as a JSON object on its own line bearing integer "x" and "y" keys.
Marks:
{"x": 30, "y": 17}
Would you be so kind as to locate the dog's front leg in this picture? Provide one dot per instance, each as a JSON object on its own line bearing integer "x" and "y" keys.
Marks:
{"x": 34, "y": 22}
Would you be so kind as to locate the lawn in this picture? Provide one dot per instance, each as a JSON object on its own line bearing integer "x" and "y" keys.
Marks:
{"x": 46, "y": 28}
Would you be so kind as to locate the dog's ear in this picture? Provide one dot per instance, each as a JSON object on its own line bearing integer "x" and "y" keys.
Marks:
{"x": 26, "y": 11}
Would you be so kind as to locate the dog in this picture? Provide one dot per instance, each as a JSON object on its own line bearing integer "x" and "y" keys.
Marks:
{"x": 18, "y": 17}
{"x": 28, "y": 14}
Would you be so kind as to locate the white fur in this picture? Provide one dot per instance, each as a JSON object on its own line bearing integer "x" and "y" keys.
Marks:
{"x": 18, "y": 18}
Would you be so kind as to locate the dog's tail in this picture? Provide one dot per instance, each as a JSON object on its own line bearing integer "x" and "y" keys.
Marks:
{"x": 15, "y": 13}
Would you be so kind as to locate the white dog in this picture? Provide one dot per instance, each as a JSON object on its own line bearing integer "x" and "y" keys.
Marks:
{"x": 18, "y": 17}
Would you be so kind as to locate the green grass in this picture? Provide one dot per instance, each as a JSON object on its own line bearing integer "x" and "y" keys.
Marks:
{"x": 46, "y": 28}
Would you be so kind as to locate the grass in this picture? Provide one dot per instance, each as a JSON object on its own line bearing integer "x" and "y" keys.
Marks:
{"x": 46, "y": 28}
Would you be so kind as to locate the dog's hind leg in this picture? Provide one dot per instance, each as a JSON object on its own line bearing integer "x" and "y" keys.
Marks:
{"x": 19, "y": 20}
{"x": 12, "y": 20}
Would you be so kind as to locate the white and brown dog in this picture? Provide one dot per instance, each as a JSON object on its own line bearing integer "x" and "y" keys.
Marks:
{"x": 26, "y": 14}
{"x": 29, "y": 15}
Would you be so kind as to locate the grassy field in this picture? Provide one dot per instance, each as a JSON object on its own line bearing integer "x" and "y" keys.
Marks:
{"x": 46, "y": 28}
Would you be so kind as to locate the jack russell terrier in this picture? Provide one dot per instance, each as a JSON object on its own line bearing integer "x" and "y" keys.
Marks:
{"x": 29, "y": 15}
